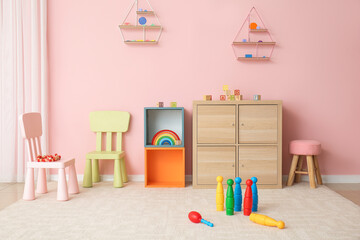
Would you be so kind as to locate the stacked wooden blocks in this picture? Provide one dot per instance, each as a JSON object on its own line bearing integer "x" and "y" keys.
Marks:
{"x": 229, "y": 95}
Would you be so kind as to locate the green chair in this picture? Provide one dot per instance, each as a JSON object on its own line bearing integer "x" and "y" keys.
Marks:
{"x": 108, "y": 122}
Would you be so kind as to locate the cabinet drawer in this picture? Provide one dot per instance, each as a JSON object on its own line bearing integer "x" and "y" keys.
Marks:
{"x": 216, "y": 124}
{"x": 213, "y": 162}
{"x": 260, "y": 162}
{"x": 258, "y": 124}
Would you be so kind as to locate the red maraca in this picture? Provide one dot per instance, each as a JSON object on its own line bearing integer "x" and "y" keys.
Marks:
{"x": 195, "y": 217}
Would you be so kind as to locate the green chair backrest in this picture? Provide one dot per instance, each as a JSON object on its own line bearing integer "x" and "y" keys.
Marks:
{"x": 109, "y": 122}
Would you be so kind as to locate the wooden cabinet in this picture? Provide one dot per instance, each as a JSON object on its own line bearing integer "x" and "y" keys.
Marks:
{"x": 237, "y": 139}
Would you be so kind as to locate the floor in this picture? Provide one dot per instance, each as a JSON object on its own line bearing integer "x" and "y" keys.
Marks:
{"x": 11, "y": 192}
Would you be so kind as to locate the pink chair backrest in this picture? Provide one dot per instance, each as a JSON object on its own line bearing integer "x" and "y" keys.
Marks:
{"x": 31, "y": 129}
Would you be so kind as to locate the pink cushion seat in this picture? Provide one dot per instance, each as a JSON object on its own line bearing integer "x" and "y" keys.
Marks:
{"x": 305, "y": 147}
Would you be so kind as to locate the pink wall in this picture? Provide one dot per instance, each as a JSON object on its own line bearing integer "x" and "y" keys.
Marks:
{"x": 314, "y": 70}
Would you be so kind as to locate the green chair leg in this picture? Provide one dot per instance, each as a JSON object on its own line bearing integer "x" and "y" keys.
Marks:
{"x": 123, "y": 170}
{"x": 87, "y": 181}
{"x": 95, "y": 171}
{"x": 118, "y": 182}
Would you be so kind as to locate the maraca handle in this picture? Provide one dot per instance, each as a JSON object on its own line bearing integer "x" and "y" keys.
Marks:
{"x": 207, "y": 223}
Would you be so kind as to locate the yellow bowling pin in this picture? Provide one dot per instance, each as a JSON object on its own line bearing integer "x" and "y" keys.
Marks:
{"x": 219, "y": 194}
{"x": 265, "y": 220}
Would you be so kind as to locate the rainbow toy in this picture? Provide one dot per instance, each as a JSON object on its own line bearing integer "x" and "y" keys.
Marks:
{"x": 165, "y": 137}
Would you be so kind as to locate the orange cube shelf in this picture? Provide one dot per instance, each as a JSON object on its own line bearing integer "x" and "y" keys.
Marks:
{"x": 165, "y": 167}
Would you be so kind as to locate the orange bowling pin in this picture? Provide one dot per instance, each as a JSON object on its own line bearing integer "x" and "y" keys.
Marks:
{"x": 265, "y": 220}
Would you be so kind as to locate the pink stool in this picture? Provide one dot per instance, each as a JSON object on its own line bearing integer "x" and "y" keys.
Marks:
{"x": 300, "y": 149}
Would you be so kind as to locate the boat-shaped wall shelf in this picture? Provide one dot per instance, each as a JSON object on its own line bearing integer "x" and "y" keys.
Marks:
{"x": 253, "y": 42}
{"x": 141, "y": 24}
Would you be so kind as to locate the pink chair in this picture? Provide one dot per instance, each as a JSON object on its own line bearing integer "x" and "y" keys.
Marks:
{"x": 309, "y": 149}
{"x": 31, "y": 128}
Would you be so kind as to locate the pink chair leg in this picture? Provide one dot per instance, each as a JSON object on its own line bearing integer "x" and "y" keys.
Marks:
{"x": 62, "y": 192}
{"x": 41, "y": 186}
{"x": 29, "y": 189}
{"x": 73, "y": 182}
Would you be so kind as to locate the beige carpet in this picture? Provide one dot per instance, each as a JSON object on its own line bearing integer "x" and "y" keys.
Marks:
{"x": 134, "y": 212}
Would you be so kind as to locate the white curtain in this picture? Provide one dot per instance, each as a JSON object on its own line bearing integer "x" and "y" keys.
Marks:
{"x": 23, "y": 79}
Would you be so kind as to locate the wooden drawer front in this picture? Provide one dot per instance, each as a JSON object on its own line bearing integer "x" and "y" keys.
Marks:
{"x": 258, "y": 124}
{"x": 260, "y": 162}
{"x": 213, "y": 162}
{"x": 216, "y": 124}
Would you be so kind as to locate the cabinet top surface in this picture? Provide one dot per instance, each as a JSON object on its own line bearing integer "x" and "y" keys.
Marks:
{"x": 238, "y": 102}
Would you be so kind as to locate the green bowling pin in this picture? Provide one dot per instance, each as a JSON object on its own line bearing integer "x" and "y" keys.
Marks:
{"x": 230, "y": 198}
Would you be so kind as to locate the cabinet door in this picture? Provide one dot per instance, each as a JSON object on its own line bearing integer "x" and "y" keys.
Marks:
{"x": 213, "y": 162}
{"x": 216, "y": 124}
{"x": 258, "y": 124}
{"x": 260, "y": 162}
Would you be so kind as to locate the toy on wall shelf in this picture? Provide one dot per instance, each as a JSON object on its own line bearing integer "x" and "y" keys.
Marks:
{"x": 232, "y": 97}
{"x": 236, "y": 92}
{"x": 160, "y": 104}
{"x": 165, "y": 137}
{"x": 142, "y": 20}
{"x": 173, "y": 104}
{"x": 195, "y": 217}
{"x": 266, "y": 221}
{"x": 207, "y": 97}
{"x": 222, "y": 97}
{"x": 225, "y": 87}
{"x": 253, "y": 25}
{"x": 244, "y": 40}
{"x": 248, "y": 55}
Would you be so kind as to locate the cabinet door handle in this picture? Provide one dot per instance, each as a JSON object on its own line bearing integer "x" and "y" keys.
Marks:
{"x": 233, "y": 165}
{"x": 233, "y": 124}
{"x": 242, "y": 165}
{"x": 242, "y": 124}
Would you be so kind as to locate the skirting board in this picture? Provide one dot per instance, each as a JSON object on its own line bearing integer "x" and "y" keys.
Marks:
{"x": 188, "y": 178}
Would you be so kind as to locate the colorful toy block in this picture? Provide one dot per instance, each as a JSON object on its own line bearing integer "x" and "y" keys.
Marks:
{"x": 173, "y": 104}
{"x": 160, "y": 104}
{"x": 236, "y": 92}
{"x": 227, "y": 92}
{"x": 232, "y": 97}
{"x": 238, "y": 97}
{"x": 244, "y": 40}
{"x": 222, "y": 97}
{"x": 207, "y": 97}
{"x": 225, "y": 87}
{"x": 248, "y": 55}
{"x": 256, "y": 97}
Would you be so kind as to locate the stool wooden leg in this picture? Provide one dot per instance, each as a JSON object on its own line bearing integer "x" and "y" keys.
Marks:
{"x": 311, "y": 171}
{"x": 298, "y": 168}
{"x": 317, "y": 170}
{"x": 292, "y": 170}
